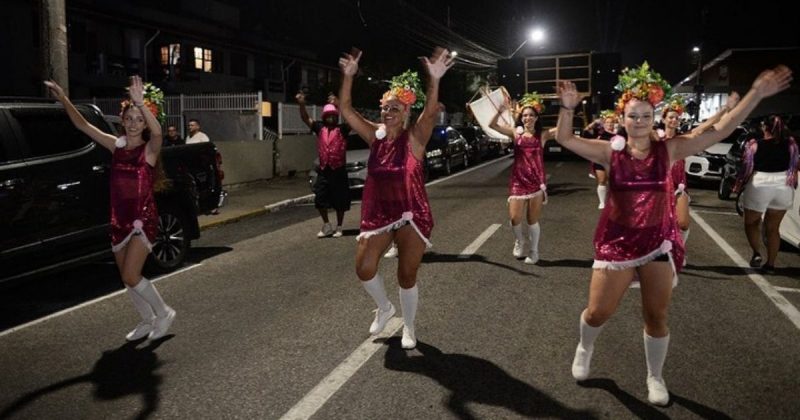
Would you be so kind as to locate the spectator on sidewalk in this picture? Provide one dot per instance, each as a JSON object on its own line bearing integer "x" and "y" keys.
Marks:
{"x": 173, "y": 138}
{"x": 332, "y": 188}
{"x": 195, "y": 135}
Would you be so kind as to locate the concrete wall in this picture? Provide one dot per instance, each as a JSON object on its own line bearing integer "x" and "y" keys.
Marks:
{"x": 296, "y": 152}
{"x": 246, "y": 161}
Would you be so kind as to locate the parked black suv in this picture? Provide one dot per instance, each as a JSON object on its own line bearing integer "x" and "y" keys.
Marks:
{"x": 477, "y": 142}
{"x": 54, "y": 192}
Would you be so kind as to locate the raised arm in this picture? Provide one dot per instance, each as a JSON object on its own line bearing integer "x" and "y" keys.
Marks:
{"x": 349, "y": 66}
{"x": 301, "y": 102}
{"x": 136, "y": 92}
{"x": 502, "y": 129}
{"x": 104, "y": 139}
{"x": 768, "y": 83}
{"x": 436, "y": 67}
{"x": 733, "y": 99}
{"x": 593, "y": 150}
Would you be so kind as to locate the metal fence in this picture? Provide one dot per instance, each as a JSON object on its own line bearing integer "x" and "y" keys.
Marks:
{"x": 176, "y": 106}
{"x": 289, "y": 121}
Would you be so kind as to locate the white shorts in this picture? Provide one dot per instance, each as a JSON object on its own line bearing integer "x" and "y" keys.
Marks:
{"x": 768, "y": 190}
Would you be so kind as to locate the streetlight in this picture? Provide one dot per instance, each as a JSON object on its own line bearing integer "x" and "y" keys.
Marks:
{"x": 698, "y": 88}
{"x": 537, "y": 35}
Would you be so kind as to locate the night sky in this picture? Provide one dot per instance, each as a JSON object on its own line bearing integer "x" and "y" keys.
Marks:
{"x": 393, "y": 32}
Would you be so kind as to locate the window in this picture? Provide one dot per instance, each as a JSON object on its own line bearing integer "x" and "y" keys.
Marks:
{"x": 50, "y": 132}
{"x": 170, "y": 54}
{"x": 202, "y": 59}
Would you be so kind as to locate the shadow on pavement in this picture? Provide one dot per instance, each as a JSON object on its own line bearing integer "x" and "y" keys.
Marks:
{"x": 473, "y": 380}
{"x": 127, "y": 370}
{"x": 434, "y": 257}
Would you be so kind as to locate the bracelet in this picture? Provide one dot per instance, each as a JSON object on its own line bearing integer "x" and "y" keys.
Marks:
{"x": 138, "y": 105}
{"x": 567, "y": 108}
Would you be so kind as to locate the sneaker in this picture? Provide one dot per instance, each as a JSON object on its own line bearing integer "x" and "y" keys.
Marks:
{"x": 657, "y": 392}
{"x": 518, "y": 249}
{"x": 532, "y": 258}
{"x": 162, "y": 324}
{"x": 581, "y": 363}
{"x": 141, "y": 331}
{"x": 326, "y": 230}
{"x": 767, "y": 269}
{"x": 391, "y": 253}
{"x": 381, "y": 318}
{"x": 409, "y": 340}
{"x": 338, "y": 233}
{"x": 756, "y": 260}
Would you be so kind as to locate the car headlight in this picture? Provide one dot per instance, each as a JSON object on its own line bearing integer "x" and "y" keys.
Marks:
{"x": 355, "y": 166}
{"x": 434, "y": 153}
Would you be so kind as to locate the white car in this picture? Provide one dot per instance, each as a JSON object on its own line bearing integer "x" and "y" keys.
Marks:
{"x": 790, "y": 225}
{"x": 356, "y": 164}
{"x": 707, "y": 165}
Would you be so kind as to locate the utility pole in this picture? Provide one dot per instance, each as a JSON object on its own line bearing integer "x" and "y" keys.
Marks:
{"x": 53, "y": 33}
{"x": 698, "y": 85}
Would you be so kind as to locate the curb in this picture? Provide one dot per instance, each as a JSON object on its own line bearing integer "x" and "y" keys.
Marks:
{"x": 270, "y": 208}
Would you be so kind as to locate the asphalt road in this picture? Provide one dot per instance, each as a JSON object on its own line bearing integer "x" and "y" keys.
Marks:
{"x": 272, "y": 322}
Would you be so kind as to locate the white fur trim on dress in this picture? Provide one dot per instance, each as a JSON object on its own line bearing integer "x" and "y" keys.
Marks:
{"x": 680, "y": 190}
{"x": 137, "y": 230}
{"x": 407, "y": 217}
{"x": 121, "y": 142}
{"x": 380, "y": 133}
{"x": 665, "y": 248}
{"x": 618, "y": 143}
{"x": 542, "y": 191}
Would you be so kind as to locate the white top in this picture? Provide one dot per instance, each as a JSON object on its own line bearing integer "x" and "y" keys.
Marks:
{"x": 200, "y": 137}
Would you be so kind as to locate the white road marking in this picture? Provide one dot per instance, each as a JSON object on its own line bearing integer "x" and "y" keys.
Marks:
{"x": 479, "y": 241}
{"x": 87, "y": 303}
{"x": 768, "y": 289}
{"x": 465, "y": 171}
{"x": 328, "y": 386}
{"x": 728, "y": 213}
{"x": 787, "y": 289}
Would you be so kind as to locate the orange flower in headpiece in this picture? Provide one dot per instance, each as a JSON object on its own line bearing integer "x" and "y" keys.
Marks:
{"x": 407, "y": 89}
{"x": 675, "y": 103}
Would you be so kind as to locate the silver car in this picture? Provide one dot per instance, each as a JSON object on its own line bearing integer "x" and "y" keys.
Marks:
{"x": 356, "y": 164}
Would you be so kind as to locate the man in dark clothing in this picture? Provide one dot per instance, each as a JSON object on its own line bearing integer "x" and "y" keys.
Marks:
{"x": 173, "y": 138}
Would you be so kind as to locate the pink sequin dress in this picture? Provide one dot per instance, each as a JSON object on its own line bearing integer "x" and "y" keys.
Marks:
{"x": 133, "y": 207}
{"x": 527, "y": 173}
{"x": 638, "y": 223}
{"x": 394, "y": 194}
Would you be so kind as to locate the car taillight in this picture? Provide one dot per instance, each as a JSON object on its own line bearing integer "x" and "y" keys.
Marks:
{"x": 218, "y": 161}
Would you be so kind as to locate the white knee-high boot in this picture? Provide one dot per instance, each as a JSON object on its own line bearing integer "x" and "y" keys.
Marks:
{"x": 519, "y": 241}
{"x": 144, "y": 327}
{"x": 583, "y": 353}
{"x": 409, "y": 298}
{"x": 534, "y": 231}
{"x": 385, "y": 310}
{"x": 602, "y": 190}
{"x": 655, "y": 351}
{"x": 148, "y": 292}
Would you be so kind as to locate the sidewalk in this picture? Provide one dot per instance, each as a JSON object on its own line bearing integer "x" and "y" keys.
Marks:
{"x": 254, "y": 198}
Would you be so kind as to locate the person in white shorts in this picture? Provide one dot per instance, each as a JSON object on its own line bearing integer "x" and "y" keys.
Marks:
{"x": 767, "y": 183}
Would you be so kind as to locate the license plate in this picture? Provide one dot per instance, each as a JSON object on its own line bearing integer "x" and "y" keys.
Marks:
{"x": 554, "y": 149}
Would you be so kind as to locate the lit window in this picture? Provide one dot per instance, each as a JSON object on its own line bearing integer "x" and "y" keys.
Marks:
{"x": 170, "y": 54}
{"x": 202, "y": 59}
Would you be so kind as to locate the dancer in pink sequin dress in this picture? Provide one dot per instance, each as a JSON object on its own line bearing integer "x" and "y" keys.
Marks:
{"x": 134, "y": 217}
{"x": 528, "y": 182}
{"x": 637, "y": 231}
{"x": 395, "y": 205}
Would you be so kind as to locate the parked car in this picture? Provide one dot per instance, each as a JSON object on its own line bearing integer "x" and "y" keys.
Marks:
{"x": 54, "y": 192}
{"x": 553, "y": 149}
{"x": 356, "y": 163}
{"x": 708, "y": 164}
{"x": 446, "y": 149}
{"x": 477, "y": 142}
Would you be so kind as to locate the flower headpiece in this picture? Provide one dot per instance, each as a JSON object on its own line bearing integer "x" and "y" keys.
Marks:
{"x": 675, "y": 103}
{"x": 608, "y": 113}
{"x": 407, "y": 89}
{"x": 153, "y": 100}
{"x": 531, "y": 99}
{"x": 641, "y": 83}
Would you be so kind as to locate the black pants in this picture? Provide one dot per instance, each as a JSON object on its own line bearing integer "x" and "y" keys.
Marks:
{"x": 332, "y": 189}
